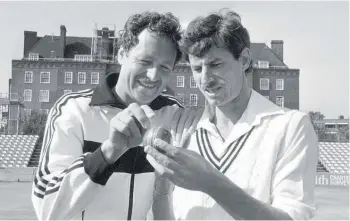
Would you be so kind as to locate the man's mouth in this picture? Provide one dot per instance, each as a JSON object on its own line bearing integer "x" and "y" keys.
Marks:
{"x": 144, "y": 82}
{"x": 213, "y": 90}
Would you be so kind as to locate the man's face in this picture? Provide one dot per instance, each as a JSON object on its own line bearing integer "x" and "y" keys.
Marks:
{"x": 218, "y": 75}
{"x": 146, "y": 68}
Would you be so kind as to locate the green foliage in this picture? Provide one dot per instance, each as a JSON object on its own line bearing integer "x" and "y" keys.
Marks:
{"x": 35, "y": 124}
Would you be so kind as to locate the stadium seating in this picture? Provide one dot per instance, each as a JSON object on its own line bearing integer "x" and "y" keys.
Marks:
{"x": 334, "y": 156}
{"x": 16, "y": 150}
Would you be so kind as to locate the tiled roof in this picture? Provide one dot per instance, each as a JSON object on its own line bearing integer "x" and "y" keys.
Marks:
{"x": 261, "y": 52}
{"x": 52, "y": 43}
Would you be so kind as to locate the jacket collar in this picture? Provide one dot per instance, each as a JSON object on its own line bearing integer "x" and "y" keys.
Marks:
{"x": 103, "y": 95}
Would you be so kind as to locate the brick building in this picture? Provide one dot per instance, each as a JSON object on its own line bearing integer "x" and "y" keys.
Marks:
{"x": 54, "y": 65}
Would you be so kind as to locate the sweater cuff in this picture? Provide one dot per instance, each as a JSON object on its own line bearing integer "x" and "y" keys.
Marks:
{"x": 97, "y": 168}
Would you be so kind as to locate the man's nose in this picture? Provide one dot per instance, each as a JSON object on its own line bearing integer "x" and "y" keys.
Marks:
{"x": 153, "y": 73}
{"x": 207, "y": 75}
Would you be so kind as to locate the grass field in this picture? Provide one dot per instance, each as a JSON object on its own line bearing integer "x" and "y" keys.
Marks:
{"x": 15, "y": 203}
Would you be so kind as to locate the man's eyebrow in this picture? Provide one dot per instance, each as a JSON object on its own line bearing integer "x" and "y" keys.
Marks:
{"x": 214, "y": 60}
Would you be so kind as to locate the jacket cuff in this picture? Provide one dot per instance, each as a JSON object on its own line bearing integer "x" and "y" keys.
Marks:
{"x": 97, "y": 168}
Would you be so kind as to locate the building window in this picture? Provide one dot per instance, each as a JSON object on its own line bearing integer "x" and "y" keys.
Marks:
{"x": 68, "y": 77}
{"x": 192, "y": 82}
{"x": 95, "y": 77}
{"x": 53, "y": 54}
{"x": 67, "y": 91}
{"x": 4, "y": 108}
{"x": 180, "y": 81}
{"x": 81, "y": 77}
{"x": 27, "y": 95}
{"x": 280, "y": 101}
{"x": 44, "y": 96}
{"x": 27, "y": 112}
{"x": 45, "y": 77}
{"x": 28, "y": 77}
{"x": 267, "y": 97}
{"x": 193, "y": 99}
{"x": 263, "y": 64}
{"x": 264, "y": 84}
{"x": 280, "y": 84}
{"x": 33, "y": 56}
{"x": 181, "y": 98}
{"x": 83, "y": 57}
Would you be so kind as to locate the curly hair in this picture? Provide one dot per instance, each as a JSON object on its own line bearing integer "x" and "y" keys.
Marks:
{"x": 222, "y": 29}
{"x": 162, "y": 24}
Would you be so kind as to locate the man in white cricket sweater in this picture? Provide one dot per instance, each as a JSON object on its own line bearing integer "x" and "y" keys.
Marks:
{"x": 249, "y": 158}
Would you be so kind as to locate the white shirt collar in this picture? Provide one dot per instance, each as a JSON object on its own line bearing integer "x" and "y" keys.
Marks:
{"x": 258, "y": 107}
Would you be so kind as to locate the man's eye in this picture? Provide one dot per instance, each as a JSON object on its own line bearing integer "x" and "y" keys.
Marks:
{"x": 144, "y": 62}
{"x": 197, "y": 69}
{"x": 165, "y": 68}
{"x": 216, "y": 64}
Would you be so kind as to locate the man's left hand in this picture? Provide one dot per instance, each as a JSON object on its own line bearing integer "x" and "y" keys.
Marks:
{"x": 185, "y": 168}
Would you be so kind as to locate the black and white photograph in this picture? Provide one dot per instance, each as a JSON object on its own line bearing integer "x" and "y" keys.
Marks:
{"x": 174, "y": 110}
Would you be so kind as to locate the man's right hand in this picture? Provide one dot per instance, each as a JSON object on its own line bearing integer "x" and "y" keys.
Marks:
{"x": 126, "y": 130}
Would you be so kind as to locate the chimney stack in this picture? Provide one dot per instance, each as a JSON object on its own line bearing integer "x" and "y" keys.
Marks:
{"x": 277, "y": 48}
{"x": 62, "y": 40}
{"x": 30, "y": 39}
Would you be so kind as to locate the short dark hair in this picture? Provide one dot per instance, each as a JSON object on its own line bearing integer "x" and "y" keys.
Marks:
{"x": 222, "y": 29}
{"x": 163, "y": 24}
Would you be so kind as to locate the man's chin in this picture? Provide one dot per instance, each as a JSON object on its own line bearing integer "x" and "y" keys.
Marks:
{"x": 144, "y": 99}
{"x": 215, "y": 102}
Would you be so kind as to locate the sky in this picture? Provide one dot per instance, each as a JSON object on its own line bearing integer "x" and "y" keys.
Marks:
{"x": 315, "y": 35}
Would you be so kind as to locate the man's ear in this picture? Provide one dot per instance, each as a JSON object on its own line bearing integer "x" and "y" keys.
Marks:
{"x": 246, "y": 58}
{"x": 121, "y": 55}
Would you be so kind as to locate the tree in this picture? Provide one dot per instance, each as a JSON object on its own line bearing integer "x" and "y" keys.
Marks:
{"x": 35, "y": 124}
{"x": 316, "y": 115}
{"x": 341, "y": 117}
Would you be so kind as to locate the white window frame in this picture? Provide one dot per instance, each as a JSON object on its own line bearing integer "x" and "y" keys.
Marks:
{"x": 66, "y": 74}
{"x": 264, "y": 87}
{"x": 195, "y": 103}
{"x": 30, "y": 73}
{"x": 263, "y": 64}
{"x": 33, "y": 56}
{"x": 193, "y": 83}
{"x": 83, "y": 57}
{"x": 41, "y": 97}
{"x": 180, "y": 81}
{"x": 4, "y": 108}
{"x": 29, "y": 96}
{"x": 83, "y": 74}
{"x": 280, "y": 98}
{"x": 41, "y": 75}
{"x": 67, "y": 91}
{"x": 97, "y": 79}
{"x": 280, "y": 84}
{"x": 52, "y": 54}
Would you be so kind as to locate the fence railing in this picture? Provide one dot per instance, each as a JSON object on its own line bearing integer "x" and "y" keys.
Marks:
{"x": 72, "y": 60}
